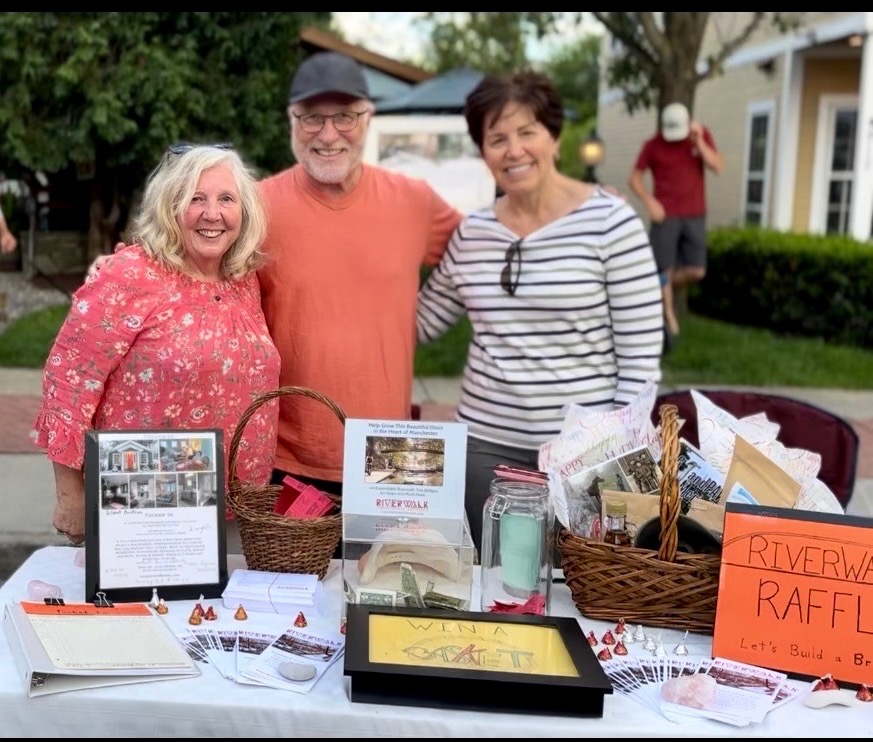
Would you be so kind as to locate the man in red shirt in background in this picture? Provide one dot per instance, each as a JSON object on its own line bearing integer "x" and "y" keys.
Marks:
{"x": 677, "y": 157}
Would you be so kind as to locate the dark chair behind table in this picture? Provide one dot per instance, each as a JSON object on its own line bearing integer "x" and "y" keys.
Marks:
{"x": 802, "y": 425}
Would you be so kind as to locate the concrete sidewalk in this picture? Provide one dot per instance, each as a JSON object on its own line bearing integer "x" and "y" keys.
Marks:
{"x": 27, "y": 493}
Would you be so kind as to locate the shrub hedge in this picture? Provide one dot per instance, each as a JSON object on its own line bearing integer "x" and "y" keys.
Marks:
{"x": 793, "y": 284}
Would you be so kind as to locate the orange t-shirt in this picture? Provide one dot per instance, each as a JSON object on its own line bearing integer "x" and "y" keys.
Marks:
{"x": 339, "y": 293}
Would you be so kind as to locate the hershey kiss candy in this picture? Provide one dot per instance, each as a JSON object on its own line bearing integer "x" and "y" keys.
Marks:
{"x": 592, "y": 640}
{"x": 604, "y": 654}
{"x": 300, "y": 621}
{"x": 210, "y": 614}
{"x": 680, "y": 648}
{"x": 608, "y": 638}
{"x": 826, "y": 682}
{"x": 240, "y": 614}
{"x": 162, "y": 607}
{"x": 620, "y": 648}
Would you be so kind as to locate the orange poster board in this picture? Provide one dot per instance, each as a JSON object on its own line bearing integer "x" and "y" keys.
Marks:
{"x": 796, "y": 592}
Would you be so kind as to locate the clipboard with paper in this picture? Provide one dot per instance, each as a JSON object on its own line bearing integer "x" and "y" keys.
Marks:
{"x": 70, "y": 647}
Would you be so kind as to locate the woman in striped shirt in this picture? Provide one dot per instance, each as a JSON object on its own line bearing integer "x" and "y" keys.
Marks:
{"x": 558, "y": 280}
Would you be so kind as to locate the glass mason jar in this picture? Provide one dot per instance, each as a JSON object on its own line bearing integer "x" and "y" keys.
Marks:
{"x": 516, "y": 563}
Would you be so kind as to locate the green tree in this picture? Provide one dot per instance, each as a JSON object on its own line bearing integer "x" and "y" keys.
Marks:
{"x": 488, "y": 42}
{"x": 496, "y": 42}
{"x": 575, "y": 70}
{"x": 662, "y": 57}
{"x": 103, "y": 94}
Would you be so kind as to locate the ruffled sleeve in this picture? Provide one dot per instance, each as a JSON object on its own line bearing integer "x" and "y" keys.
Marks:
{"x": 107, "y": 313}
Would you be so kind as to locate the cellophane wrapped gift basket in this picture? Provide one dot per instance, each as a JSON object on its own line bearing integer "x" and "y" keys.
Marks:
{"x": 665, "y": 571}
{"x": 279, "y": 543}
{"x": 657, "y": 588}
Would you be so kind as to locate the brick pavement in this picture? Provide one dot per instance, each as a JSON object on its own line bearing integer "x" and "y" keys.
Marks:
{"x": 19, "y": 412}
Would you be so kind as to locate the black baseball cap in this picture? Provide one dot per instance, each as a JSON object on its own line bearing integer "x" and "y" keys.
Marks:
{"x": 328, "y": 72}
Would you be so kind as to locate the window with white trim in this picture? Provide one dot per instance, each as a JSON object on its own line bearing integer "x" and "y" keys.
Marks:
{"x": 756, "y": 185}
{"x": 841, "y": 171}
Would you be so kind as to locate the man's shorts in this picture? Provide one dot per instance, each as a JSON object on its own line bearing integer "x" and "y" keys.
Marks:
{"x": 679, "y": 240}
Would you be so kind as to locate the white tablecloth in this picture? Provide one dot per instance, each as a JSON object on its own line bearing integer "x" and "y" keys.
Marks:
{"x": 212, "y": 706}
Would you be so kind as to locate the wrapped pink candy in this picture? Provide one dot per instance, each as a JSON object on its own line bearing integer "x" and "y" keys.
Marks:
{"x": 39, "y": 590}
{"x": 695, "y": 691}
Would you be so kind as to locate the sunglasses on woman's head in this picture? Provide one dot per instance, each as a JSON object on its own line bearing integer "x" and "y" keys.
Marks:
{"x": 507, "y": 283}
{"x": 180, "y": 148}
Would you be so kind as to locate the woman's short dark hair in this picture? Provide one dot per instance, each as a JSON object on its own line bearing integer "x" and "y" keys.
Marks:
{"x": 535, "y": 90}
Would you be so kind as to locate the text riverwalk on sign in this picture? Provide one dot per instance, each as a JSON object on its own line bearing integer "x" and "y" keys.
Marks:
{"x": 404, "y": 468}
{"x": 796, "y": 592}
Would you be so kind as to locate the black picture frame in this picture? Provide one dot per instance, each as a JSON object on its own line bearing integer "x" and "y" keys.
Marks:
{"x": 155, "y": 514}
{"x": 470, "y": 676}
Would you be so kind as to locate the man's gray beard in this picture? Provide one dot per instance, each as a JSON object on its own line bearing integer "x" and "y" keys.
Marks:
{"x": 323, "y": 172}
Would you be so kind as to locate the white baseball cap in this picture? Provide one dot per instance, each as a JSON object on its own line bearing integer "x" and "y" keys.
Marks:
{"x": 674, "y": 122}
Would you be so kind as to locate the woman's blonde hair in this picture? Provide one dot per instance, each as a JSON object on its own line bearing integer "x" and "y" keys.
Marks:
{"x": 168, "y": 192}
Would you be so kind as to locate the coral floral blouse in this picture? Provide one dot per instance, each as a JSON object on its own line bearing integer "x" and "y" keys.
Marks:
{"x": 146, "y": 347}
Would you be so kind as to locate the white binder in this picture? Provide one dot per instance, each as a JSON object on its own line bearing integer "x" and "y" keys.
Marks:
{"x": 45, "y": 648}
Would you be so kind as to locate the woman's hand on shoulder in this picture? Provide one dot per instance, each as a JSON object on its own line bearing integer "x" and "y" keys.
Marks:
{"x": 613, "y": 191}
{"x": 102, "y": 260}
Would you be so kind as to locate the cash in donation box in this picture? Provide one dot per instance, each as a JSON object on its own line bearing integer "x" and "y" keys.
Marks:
{"x": 516, "y": 565}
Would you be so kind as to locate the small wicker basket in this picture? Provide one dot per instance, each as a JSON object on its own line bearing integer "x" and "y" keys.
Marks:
{"x": 277, "y": 543}
{"x": 654, "y": 588}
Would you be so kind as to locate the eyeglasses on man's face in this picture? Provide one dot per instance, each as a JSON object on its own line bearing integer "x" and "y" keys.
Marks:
{"x": 180, "y": 148}
{"x": 513, "y": 254}
{"x": 343, "y": 121}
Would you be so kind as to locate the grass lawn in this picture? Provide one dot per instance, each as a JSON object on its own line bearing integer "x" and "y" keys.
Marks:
{"x": 707, "y": 352}
{"x": 27, "y": 341}
{"x": 712, "y": 352}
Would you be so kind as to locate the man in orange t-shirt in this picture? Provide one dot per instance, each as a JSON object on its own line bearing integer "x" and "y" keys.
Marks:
{"x": 346, "y": 242}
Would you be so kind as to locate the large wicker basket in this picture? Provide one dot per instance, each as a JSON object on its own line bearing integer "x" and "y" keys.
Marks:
{"x": 277, "y": 543}
{"x": 654, "y": 588}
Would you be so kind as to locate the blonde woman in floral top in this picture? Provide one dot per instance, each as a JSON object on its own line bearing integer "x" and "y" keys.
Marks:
{"x": 170, "y": 332}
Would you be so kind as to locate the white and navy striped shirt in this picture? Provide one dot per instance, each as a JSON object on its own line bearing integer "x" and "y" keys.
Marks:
{"x": 584, "y": 326}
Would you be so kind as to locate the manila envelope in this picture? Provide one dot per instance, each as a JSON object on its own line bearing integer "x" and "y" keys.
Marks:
{"x": 765, "y": 480}
{"x": 709, "y": 514}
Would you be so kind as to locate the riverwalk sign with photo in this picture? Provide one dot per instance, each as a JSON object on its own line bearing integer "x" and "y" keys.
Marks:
{"x": 404, "y": 468}
{"x": 796, "y": 592}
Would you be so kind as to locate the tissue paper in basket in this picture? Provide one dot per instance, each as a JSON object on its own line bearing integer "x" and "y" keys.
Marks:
{"x": 273, "y": 592}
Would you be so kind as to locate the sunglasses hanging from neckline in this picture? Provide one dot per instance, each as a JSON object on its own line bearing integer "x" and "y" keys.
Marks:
{"x": 513, "y": 254}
